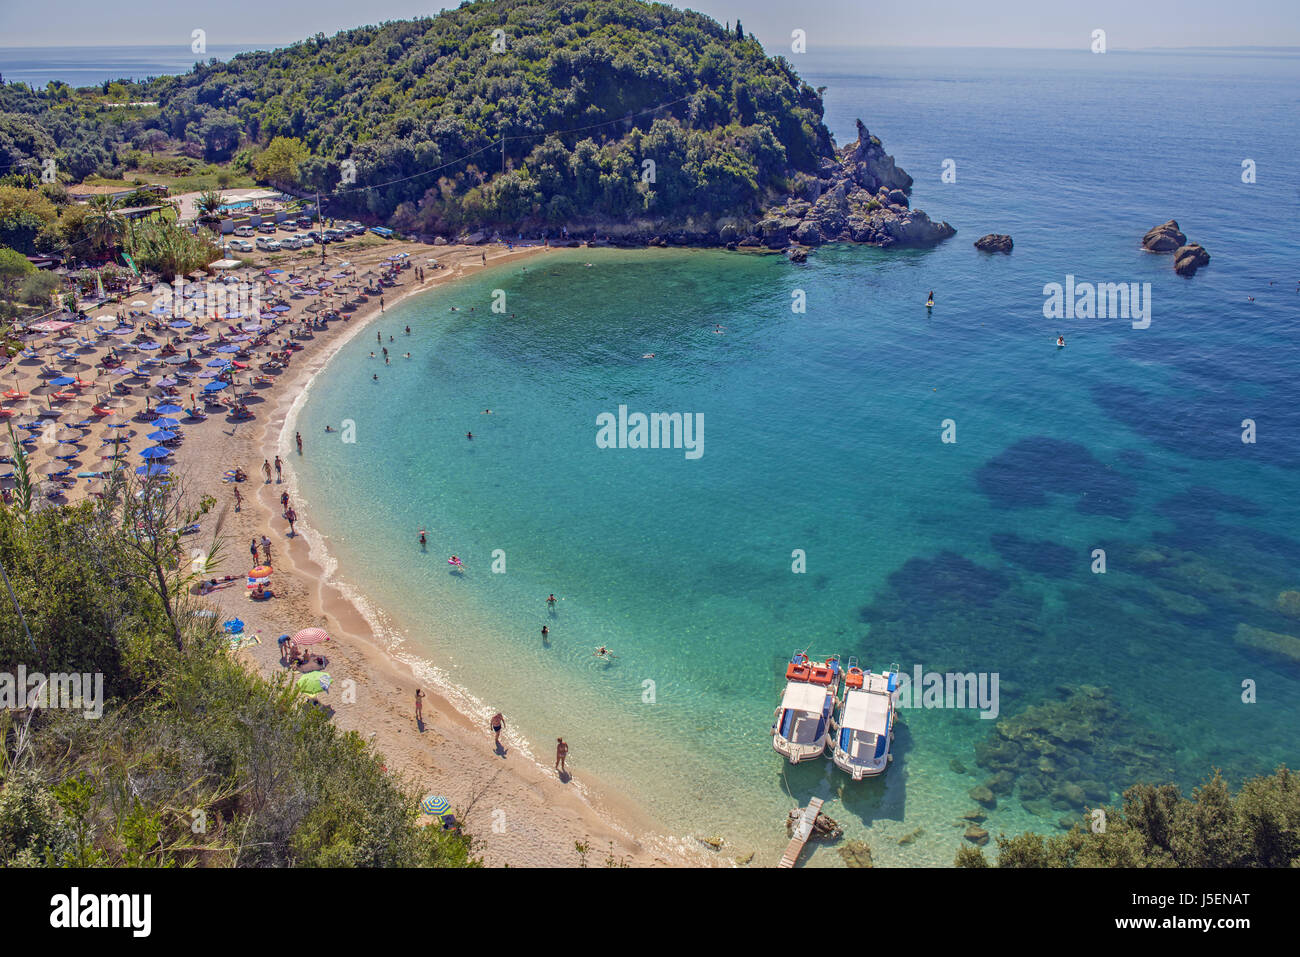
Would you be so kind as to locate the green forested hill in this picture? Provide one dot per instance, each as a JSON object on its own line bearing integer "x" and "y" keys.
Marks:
{"x": 402, "y": 98}
{"x": 631, "y": 118}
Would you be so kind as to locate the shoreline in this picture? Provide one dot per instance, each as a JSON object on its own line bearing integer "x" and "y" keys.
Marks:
{"x": 519, "y": 811}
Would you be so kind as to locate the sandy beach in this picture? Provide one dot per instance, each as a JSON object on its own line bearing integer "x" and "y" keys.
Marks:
{"x": 520, "y": 811}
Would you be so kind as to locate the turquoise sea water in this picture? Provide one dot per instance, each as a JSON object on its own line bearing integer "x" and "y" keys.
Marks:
{"x": 822, "y": 433}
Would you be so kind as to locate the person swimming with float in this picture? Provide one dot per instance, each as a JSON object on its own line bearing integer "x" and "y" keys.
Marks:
{"x": 603, "y": 652}
{"x": 1060, "y": 342}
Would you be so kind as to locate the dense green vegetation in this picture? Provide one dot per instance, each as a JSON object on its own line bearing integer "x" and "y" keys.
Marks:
{"x": 1157, "y": 826}
{"x": 587, "y": 95}
{"x": 196, "y": 760}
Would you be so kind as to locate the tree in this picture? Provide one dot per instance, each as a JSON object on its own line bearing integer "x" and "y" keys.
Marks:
{"x": 24, "y": 214}
{"x": 14, "y": 269}
{"x": 279, "y": 162}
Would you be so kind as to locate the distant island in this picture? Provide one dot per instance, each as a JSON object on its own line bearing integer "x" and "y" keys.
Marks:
{"x": 630, "y": 122}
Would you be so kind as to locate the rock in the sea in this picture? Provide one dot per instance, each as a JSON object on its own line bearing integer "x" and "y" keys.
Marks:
{"x": 797, "y": 254}
{"x": 911, "y": 836}
{"x": 982, "y": 795}
{"x": 1164, "y": 238}
{"x": 978, "y": 816}
{"x": 956, "y": 766}
{"x": 855, "y": 854}
{"x": 1283, "y": 647}
{"x": 1188, "y": 259}
{"x": 977, "y": 835}
{"x": 1288, "y": 603}
{"x": 994, "y": 243}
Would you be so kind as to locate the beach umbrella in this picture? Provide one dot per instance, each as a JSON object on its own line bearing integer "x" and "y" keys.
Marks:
{"x": 215, "y": 386}
{"x": 67, "y": 434}
{"x": 66, "y": 450}
{"x": 176, "y": 360}
{"x": 140, "y": 304}
{"x": 311, "y": 636}
{"x": 435, "y": 804}
{"x": 54, "y": 468}
{"x": 168, "y": 409}
{"x": 155, "y": 452}
{"x": 152, "y": 470}
{"x": 163, "y": 422}
{"x": 230, "y": 348}
{"x": 163, "y": 435}
{"x": 315, "y": 683}
{"x": 62, "y": 380}
{"x": 148, "y": 346}
{"x": 180, "y": 324}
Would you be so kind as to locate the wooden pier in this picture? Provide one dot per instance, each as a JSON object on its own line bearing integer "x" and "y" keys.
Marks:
{"x": 802, "y": 831}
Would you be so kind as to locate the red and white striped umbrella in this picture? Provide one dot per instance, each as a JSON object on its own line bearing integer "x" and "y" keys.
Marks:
{"x": 310, "y": 636}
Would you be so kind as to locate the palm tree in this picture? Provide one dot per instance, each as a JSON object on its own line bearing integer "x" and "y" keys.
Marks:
{"x": 101, "y": 230}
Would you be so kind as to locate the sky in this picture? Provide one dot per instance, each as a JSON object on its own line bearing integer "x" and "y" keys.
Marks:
{"x": 1129, "y": 24}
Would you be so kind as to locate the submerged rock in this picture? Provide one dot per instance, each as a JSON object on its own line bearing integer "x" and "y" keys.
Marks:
{"x": 1188, "y": 259}
{"x": 855, "y": 854}
{"x": 911, "y": 836}
{"x": 982, "y": 795}
{"x": 977, "y": 835}
{"x": 1288, "y": 603}
{"x": 1282, "y": 647}
{"x": 994, "y": 243}
{"x": 1164, "y": 238}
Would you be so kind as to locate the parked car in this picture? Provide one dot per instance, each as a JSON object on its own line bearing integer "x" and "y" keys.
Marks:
{"x": 266, "y": 228}
{"x": 305, "y": 240}
{"x": 245, "y": 231}
{"x": 304, "y": 222}
{"x": 358, "y": 229}
{"x": 383, "y": 231}
{"x": 268, "y": 245}
{"x": 240, "y": 245}
{"x": 290, "y": 242}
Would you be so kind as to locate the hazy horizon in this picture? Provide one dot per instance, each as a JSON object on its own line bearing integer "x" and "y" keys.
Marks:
{"x": 923, "y": 24}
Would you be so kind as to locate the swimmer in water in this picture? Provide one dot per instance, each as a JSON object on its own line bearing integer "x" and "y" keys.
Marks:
{"x": 486, "y": 412}
{"x": 551, "y": 600}
{"x": 718, "y": 330}
{"x": 545, "y": 631}
{"x": 406, "y": 355}
{"x": 469, "y": 435}
{"x": 603, "y": 652}
{"x": 329, "y": 428}
{"x": 372, "y": 355}
{"x": 1060, "y": 340}
{"x": 648, "y": 355}
{"x": 422, "y": 541}
{"x": 375, "y": 377}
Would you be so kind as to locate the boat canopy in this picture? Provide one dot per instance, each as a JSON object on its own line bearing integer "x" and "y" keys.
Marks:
{"x": 865, "y": 711}
{"x": 801, "y": 696}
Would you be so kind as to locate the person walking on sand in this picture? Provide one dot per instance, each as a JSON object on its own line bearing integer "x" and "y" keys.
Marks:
{"x": 278, "y": 466}
{"x": 292, "y": 517}
{"x": 497, "y": 724}
{"x": 266, "y": 470}
{"x": 419, "y": 706}
{"x": 239, "y": 499}
{"x": 561, "y": 752}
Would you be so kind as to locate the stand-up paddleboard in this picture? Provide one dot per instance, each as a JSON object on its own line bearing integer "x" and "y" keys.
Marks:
{"x": 929, "y": 304}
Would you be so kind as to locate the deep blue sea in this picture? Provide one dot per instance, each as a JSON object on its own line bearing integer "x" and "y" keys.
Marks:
{"x": 88, "y": 66}
{"x": 823, "y": 433}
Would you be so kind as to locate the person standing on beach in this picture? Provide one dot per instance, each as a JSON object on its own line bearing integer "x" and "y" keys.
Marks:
{"x": 266, "y": 549}
{"x": 561, "y": 752}
{"x": 419, "y": 706}
{"x": 497, "y": 724}
{"x": 266, "y": 470}
{"x": 278, "y": 466}
{"x": 292, "y": 517}
{"x": 239, "y": 499}
{"x": 252, "y": 547}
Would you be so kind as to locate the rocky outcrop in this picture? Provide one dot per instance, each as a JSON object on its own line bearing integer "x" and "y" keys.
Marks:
{"x": 994, "y": 243}
{"x": 1188, "y": 259}
{"x": 1164, "y": 238}
{"x": 1167, "y": 237}
{"x": 862, "y": 196}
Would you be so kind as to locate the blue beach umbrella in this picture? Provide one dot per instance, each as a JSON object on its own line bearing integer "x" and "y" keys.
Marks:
{"x": 435, "y": 804}
{"x": 163, "y": 435}
{"x": 152, "y": 470}
{"x": 216, "y": 386}
{"x": 63, "y": 380}
{"x": 180, "y": 324}
{"x": 231, "y": 348}
{"x": 168, "y": 409}
{"x": 155, "y": 452}
{"x": 148, "y": 346}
